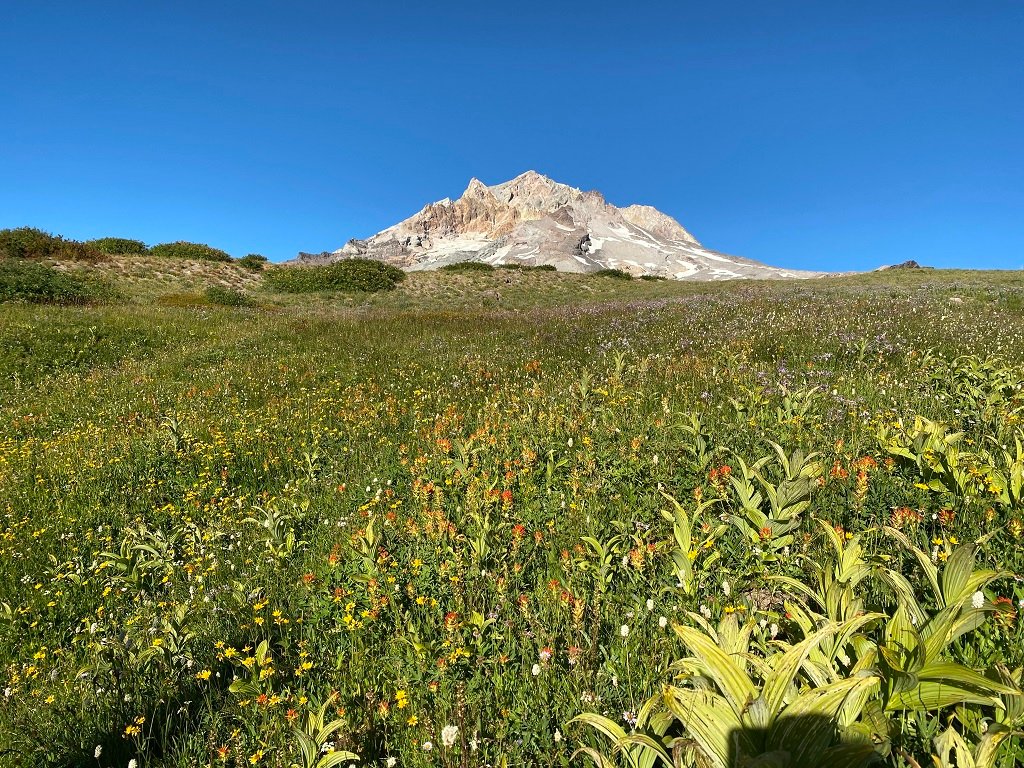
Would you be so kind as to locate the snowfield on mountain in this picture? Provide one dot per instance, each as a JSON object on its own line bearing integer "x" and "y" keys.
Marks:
{"x": 532, "y": 220}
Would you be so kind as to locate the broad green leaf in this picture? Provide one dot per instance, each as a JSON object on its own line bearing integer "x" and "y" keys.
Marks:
{"x": 923, "y": 560}
{"x": 710, "y": 721}
{"x": 648, "y": 746}
{"x": 721, "y": 667}
{"x": 958, "y": 567}
{"x": 332, "y": 759}
{"x": 599, "y": 760}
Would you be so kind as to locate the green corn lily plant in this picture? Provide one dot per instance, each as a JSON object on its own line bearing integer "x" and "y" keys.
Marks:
{"x": 313, "y": 737}
{"x": 687, "y": 548}
{"x": 741, "y": 708}
{"x": 917, "y": 674}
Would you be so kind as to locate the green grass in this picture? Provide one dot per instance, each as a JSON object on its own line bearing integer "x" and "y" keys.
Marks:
{"x": 394, "y": 492}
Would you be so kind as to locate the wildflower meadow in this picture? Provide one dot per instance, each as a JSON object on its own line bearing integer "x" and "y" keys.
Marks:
{"x": 590, "y": 522}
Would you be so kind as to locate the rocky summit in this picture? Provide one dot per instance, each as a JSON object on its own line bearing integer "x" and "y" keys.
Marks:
{"x": 532, "y": 220}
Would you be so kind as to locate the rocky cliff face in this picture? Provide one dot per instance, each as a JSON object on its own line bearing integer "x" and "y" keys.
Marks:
{"x": 532, "y": 220}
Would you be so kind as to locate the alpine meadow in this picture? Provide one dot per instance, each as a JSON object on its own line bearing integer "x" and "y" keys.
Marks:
{"x": 322, "y": 515}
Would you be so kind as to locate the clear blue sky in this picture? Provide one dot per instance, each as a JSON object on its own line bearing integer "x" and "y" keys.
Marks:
{"x": 813, "y": 134}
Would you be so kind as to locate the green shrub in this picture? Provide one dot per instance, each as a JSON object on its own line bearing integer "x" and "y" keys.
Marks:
{"x": 542, "y": 268}
{"x": 365, "y": 275}
{"x": 37, "y": 283}
{"x": 516, "y": 267}
{"x": 651, "y": 277}
{"x": 32, "y": 243}
{"x": 254, "y": 261}
{"x": 618, "y": 274}
{"x": 226, "y": 297}
{"x": 119, "y": 245}
{"x": 185, "y": 250}
{"x": 468, "y": 266}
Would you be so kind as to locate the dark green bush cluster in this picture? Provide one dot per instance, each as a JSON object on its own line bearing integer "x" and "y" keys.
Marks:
{"x": 618, "y": 274}
{"x": 365, "y": 275}
{"x": 651, "y": 277}
{"x": 32, "y": 243}
{"x": 226, "y": 297}
{"x": 525, "y": 268}
{"x": 185, "y": 250}
{"x": 37, "y": 283}
{"x": 119, "y": 245}
{"x": 254, "y": 261}
{"x": 468, "y": 266}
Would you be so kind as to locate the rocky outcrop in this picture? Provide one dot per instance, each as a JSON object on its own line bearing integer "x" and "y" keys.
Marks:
{"x": 533, "y": 220}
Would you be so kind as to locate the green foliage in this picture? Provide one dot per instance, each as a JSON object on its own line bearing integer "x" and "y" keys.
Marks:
{"x": 35, "y": 283}
{"x": 119, "y": 245}
{"x": 253, "y": 261}
{"x": 758, "y": 524}
{"x": 185, "y": 250}
{"x": 31, "y": 243}
{"x": 468, "y": 266}
{"x": 652, "y": 278}
{"x": 365, "y": 275}
{"x": 226, "y": 297}
{"x": 618, "y": 274}
{"x": 541, "y": 268}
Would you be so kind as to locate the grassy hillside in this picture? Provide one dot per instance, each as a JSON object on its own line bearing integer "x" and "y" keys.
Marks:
{"x": 464, "y": 520}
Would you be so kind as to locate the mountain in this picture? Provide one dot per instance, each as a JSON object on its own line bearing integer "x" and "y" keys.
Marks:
{"x": 532, "y": 220}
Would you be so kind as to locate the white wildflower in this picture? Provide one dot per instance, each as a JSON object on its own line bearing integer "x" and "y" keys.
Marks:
{"x": 98, "y": 751}
{"x": 662, "y": 621}
{"x": 624, "y": 630}
{"x": 558, "y": 736}
{"x": 391, "y": 762}
{"x": 726, "y": 589}
{"x": 977, "y": 600}
{"x": 449, "y": 734}
{"x": 773, "y": 630}
{"x": 650, "y": 604}
{"x": 133, "y": 763}
{"x": 427, "y": 746}
{"x": 535, "y": 670}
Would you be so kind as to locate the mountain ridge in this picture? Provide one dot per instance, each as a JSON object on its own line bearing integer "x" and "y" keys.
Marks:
{"x": 533, "y": 220}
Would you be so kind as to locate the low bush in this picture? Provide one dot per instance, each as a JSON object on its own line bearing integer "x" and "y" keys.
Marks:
{"x": 468, "y": 266}
{"x": 516, "y": 267}
{"x": 364, "y": 275}
{"x": 119, "y": 245}
{"x": 226, "y": 297}
{"x": 185, "y": 250}
{"x": 32, "y": 243}
{"x": 618, "y": 274}
{"x": 652, "y": 278}
{"x": 254, "y": 261}
{"x": 36, "y": 283}
{"x": 541, "y": 268}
